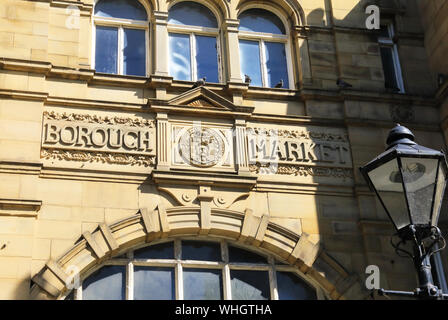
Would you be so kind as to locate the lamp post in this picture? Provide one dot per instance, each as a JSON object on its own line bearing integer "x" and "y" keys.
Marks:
{"x": 409, "y": 181}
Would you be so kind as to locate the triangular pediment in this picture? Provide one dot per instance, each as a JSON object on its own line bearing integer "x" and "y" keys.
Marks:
{"x": 202, "y": 97}
{"x": 200, "y": 100}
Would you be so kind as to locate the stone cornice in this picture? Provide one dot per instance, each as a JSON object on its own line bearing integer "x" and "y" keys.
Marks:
{"x": 19, "y": 207}
{"x": 198, "y": 178}
{"x": 91, "y": 78}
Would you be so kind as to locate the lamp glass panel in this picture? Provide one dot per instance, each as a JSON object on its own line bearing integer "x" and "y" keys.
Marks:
{"x": 419, "y": 176}
{"x": 387, "y": 181}
{"x": 441, "y": 181}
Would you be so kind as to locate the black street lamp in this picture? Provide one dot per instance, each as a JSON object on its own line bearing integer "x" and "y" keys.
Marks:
{"x": 409, "y": 181}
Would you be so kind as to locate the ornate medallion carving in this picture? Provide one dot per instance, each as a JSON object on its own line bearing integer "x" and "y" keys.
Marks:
{"x": 201, "y": 147}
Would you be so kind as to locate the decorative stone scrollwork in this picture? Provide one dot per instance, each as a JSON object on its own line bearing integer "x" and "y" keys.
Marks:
{"x": 301, "y": 170}
{"x": 131, "y": 122}
{"x": 100, "y": 157}
{"x": 301, "y": 134}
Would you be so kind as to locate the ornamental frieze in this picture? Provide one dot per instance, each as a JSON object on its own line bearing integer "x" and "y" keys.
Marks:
{"x": 131, "y": 122}
{"x": 300, "y": 170}
{"x": 92, "y": 138}
{"x": 98, "y": 157}
{"x": 302, "y": 134}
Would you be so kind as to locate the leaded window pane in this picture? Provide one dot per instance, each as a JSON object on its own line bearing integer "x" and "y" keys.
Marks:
{"x": 134, "y": 55}
{"x": 124, "y": 9}
{"x": 108, "y": 283}
{"x": 202, "y": 284}
{"x": 192, "y": 14}
{"x": 154, "y": 283}
{"x": 106, "y": 49}
{"x": 259, "y": 20}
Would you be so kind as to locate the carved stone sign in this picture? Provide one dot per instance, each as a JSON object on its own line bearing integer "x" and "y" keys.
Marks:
{"x": 202, "y": 147}
{"x": 79, "y": 137}
{"x": 299, "y": 152}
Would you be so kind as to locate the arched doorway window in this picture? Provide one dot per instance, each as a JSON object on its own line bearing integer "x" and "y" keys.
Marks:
{"x": 194, "y": 269}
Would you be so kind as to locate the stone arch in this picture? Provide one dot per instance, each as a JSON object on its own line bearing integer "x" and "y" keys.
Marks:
{"x": 92, "y": 249}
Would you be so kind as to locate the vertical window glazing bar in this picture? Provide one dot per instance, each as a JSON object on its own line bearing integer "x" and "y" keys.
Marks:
{"x": 264, "y": 72}
{"x": 194, "y": 65}
{"x": 120, "y": 50}
{"x": 78, "y": 293}
{"x": 226, "y": 272}
{"x": 273, "y": 279}
{"x": 130, "y": 277}
{"x": 178, "y": 270}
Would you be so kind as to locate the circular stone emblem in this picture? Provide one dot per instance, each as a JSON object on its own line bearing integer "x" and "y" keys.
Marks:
{"x": 201, "y": 147}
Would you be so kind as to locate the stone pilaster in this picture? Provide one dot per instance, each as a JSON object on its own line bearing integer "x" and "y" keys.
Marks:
{"x": 242, "y": 158}
{"x": 163, "y": 139}
{"x": 230, "y": 27}
{"x": 160, "y": 22}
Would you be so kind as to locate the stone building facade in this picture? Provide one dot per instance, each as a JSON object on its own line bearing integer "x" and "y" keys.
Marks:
{"x": 96, "y": 164}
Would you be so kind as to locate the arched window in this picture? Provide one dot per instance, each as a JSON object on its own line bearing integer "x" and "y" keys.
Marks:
{"x": 121, "y": 37}
{"x": 194, "y": 269}
{"x": 263, "y": 49}
{"x": 193, "y": 42}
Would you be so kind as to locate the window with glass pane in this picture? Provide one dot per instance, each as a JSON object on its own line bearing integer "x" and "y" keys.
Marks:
{"x": 108, "y": 283}
{"x": 192, "y": 55}
{"x": 263, "y": 60}
{"x": 106, "y": 58}
{"x": 121, "y": 48}
{"x": 389, "y": 57}
{"x": 202, "y": 284}
{"x": 150, "y": 273}
{"x": 153, "y": 283}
